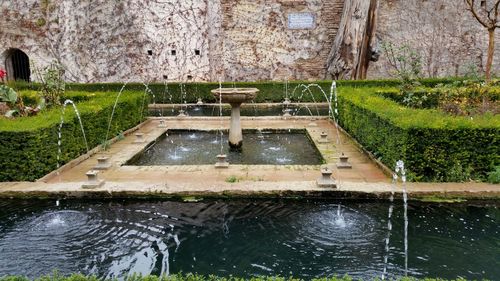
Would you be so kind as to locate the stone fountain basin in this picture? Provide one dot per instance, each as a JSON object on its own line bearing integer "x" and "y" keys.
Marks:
{"x": 235, "y": 95}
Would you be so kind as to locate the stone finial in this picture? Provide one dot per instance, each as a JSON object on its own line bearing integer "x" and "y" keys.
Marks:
{"x": 344, "y": 162}
{"x": 162, "y": 123}
{"x": 92, "y": 180}
{"x": 199, "y": 102}
{"x": 313, "y": 122}
{"x": 182, "y": 113}
{"x": 102, "y": 163}
{"x": 323, "y": 137}
{"x": 326, "y": 179}
{"x": 221, "y": 161}
{"x": 139, "y": 138}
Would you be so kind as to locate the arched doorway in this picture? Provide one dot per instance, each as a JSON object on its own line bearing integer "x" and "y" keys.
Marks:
{"x": 17, "y": 65}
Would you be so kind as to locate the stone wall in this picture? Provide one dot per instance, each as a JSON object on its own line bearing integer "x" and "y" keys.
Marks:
{"x": 177, "y": 40}
{"x": 450, "y": 41}
{"x": 231, "y": 40}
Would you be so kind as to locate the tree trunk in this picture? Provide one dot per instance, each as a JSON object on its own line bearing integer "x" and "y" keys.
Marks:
{"x": 491, "y": 50}
{"x": 351, "y": 51}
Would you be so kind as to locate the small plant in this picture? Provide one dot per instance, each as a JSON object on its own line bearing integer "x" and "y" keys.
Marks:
{"x": 494, "y": 176}
{"x": 406, "y": 65}
{"x": 3, "y": 74}
{"x": 8, "y": 95}
{"x": 232, "y": 179}
{"x": 52, "y": 83}
{"x": 457, "y": 173}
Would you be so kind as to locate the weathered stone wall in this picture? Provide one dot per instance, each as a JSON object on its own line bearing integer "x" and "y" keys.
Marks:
{"x": 232, "y": 40}
{"x": 448, "y": 38}
{"x": 258, "y": 45}
{"x": 100, "y": 40}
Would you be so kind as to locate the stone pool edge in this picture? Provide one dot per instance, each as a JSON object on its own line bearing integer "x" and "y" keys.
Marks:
{"x": 430, "y": 192}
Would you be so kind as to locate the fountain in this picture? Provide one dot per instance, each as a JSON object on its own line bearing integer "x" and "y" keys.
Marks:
{"x": 235, "y": 97}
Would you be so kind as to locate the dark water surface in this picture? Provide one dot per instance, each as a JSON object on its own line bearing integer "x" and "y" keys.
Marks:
{"x": 183, "y": 147}
{"x": 246, "y": 238}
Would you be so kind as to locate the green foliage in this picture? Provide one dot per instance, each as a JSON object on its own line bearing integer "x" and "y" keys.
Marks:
{"x": 232, "y": 179}
{"x": 494, "y": 176}
{"x": 7, "y": 94}
{"x": 40, "y": 22}
{"x": 197, "y": 277}
{"x": 270, "y": 91}
{"x": 468, "y": 98}
{"x": 28, "y": 145}
{"x": 434, "y": 145}
{"x": 406, "y": 62}
{"x": 52, "y": 84}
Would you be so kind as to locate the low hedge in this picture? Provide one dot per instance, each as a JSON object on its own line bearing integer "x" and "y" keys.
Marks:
{"x": 196, "y": 277}
{"x": 270, "y": 91}
{"x": 433, "y": 145}
{"x": 28, "y": 145}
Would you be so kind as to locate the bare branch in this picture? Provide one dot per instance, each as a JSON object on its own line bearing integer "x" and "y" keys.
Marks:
{"x": 472, "y": 9}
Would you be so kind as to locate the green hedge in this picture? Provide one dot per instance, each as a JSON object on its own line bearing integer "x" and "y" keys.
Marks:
{"x": 196, "y": 277}
{"x": 434, "y": 146}
{"x": 270, "y": 91}
{"x": 28, "y": 145}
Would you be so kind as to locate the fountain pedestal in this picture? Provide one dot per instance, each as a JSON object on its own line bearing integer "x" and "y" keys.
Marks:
{"x": 235, "y": 97}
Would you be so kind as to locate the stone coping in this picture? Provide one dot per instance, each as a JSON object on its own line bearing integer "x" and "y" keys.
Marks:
{"x": 249, "y": 189}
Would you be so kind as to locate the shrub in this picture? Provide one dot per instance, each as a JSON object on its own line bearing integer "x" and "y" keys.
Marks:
{"x": 28, "y": 145}
{"x": 52, "y": 84}
{"x": 494, "y": 176}
{"x": 434, "y": 146}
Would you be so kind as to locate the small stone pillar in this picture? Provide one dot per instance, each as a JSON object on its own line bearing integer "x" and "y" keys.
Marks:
{"x": 92, "y": 180}
{"x": 221, "y": 161}
{"x": 323, "y": 137}
{"x": 313, "y": 122}
{"x": 287, "y": 101}
{"x": 344, "y": 162}
{"x": 326, "y": 179}
{"x": 182, "y": 113}
{"x": 200, "y": 102}
{"x": 139, "y": 138}
{"x": 162, "y": 123}
{"x": 102, "y": 163}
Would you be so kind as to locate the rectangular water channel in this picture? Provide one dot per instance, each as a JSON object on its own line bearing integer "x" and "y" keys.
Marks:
{"x": 247, "y": 238}
{"x": 267, "y": 147}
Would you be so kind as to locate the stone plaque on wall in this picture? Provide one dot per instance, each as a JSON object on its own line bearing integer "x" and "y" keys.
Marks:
{"x": 301, "y": 21}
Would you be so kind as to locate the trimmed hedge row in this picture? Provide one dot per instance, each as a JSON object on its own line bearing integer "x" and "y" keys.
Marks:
{"x": 196, "y": 277}
{"x": 270, "y": 91}
{"x": 28, "y": 145}
{"x": 433, "y": 145}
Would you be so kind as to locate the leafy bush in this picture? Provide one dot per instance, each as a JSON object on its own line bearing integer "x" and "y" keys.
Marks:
{"x": 470, "y": 98}
{"x": 52, "y": 84}
{"x": 494, "y": 177}
{"x": 8, "y": 95}
{"x": 434, "y": 146}
{"x": 28, "y": 145}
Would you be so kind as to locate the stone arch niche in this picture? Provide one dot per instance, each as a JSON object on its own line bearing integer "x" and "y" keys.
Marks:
{"x": 17, "y": 64}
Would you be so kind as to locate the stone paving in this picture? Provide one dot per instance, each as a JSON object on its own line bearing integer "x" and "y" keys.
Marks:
{"x": 366, "y": 179}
